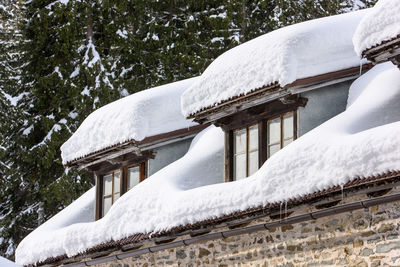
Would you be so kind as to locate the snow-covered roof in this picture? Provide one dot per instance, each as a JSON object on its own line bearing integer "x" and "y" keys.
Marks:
{"x": 381, "y": 23}
{"x": 202, "y": 165}
{"x": 362, "y": 141}
{"x": 7, "y": 263}
{"x": 135, "y": 117}
{"x": 79, "y": 212}
{"x": 298, "y": 51}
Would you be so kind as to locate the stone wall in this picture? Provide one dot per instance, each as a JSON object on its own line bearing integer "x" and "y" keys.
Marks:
{"x": 367, "y": 237}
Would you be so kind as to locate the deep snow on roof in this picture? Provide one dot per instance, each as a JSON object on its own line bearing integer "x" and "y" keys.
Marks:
{"x": 381, "y": 23}
{"x": 362, "y": 141}
{"x": 298, "y": 51}
{"x": 64, "y": 233}
{"x": 135, "y": 117}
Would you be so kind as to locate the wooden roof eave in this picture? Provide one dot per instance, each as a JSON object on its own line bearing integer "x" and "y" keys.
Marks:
{"x": 276, "y": 91}
{"x": 385, "y": 51}
{"x": 134, "y": 146}
{"x": 229, "y": 107}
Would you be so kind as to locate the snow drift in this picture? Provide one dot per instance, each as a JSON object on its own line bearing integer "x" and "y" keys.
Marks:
{"x": 65, "y": 233}
{"x": 362, "y": 141}
{"x": 380, "y": 24}
{"x": 135, "y": 117}
{"x": 80, "y": 211}
{"x": 298, "y": 51}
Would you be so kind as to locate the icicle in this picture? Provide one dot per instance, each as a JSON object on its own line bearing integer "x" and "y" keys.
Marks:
{"x": 280, "y": 211}
{"x": 361, "y": 66}
{"x": 285, "y": 209}
{"x": 342, "y": 189}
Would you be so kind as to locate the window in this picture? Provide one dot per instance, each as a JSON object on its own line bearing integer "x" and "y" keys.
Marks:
{"x": 111, "y": 190}
{"x": 245, "y": 152}
{"x": 280, "y": 133}
{"x": 250, "y": 146}
{"x": 115, "y": 183}
{"x": 135, "y": 175}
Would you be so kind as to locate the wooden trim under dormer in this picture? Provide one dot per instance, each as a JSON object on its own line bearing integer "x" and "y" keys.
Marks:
{"x": 386, "y": 51}
{"x": 261, "y": 112}
{"x": 257, "y": 115}
{"x": 136, "y": 147}
{"x": 275, "y": 91}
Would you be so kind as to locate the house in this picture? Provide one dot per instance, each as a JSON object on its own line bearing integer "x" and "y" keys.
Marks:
{"x": 311, "y": 148}
{"x": 378, "y": 35}
{"x": 119, "y": 146}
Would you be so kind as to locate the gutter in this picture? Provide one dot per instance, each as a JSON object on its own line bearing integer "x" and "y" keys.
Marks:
{"x": 363, "y": 204}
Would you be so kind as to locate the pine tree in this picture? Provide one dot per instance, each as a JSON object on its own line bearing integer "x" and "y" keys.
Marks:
{"x": 290, "y": 12}
{"x": 37, "y": 178}
{"x": 360, "y": 4}
{"x": 10, "y": 17}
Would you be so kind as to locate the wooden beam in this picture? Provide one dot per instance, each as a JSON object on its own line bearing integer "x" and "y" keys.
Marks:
{"x": 275, "y": 91}
{"x": 258, "y": 113}
{"x": 387, "y": 55}
{"x": 383, "y": 46}
{"x": 151, "y": 141}
{"x": 111, "y": 156}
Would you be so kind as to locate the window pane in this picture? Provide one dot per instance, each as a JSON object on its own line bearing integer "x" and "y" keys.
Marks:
{"x": 253, "y": 162}
{"x": 240, "y": 141}
{"x": 253, "y": 137}
{"x": 288, "y": 126}
{"x": 117, "y": 182}
{"x": 133, "y": 176}
{"x": 274, "y": 131}
{"x": 116, "y": 196}
{"x": 240, "y": 166}
{"x": 273, "y": 149}
{"x": 286, "y": 142}
{"x": 106, "y": 204}
{"x": 107, "y": 184}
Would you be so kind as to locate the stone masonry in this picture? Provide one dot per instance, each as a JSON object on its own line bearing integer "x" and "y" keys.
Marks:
{"x": 367, "y": 237}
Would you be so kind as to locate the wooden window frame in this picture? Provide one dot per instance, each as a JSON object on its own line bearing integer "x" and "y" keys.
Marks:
{"x": 123, "y": 184}
{"x": 248, "y": 150}
{"x": 262, "y": 140}
{"x": 142, "y": 171}
{"x": 282, "y": 140}
{"x": 101, "y": 196}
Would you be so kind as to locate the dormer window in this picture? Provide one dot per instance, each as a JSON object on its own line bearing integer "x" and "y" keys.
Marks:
{"x": 135, "y": 175}
{"x": 245, "y": 158}
{"x": 255, "y": 134}
{"x": 113, "y": 184}
{"x": 280, "y": 132}
{"x": 255, "y": 143}
{"x": 111, "y": 190}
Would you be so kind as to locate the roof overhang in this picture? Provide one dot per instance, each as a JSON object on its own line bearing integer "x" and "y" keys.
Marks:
{"x": 135, "y": 147}
{"x": 386, "y": 51}
{"x": 276, "y": 91}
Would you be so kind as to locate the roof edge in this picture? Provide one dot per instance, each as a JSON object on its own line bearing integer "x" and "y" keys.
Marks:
{"x": 134, "y": 144}
{"x": 382, "y": 51}
{"x": 272, "y": 92}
